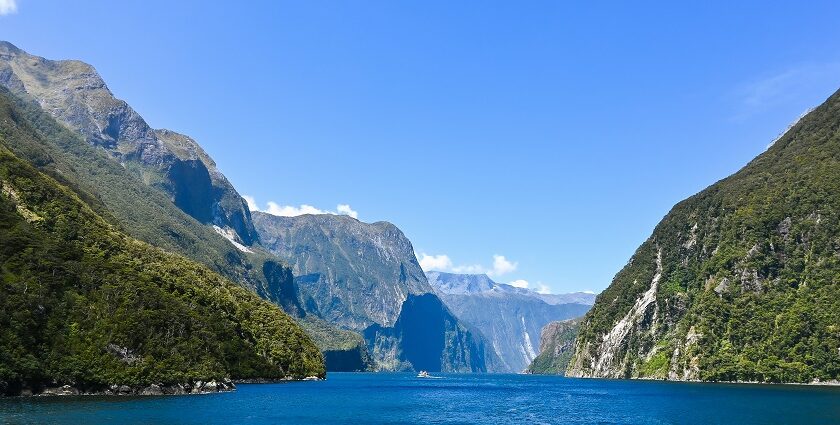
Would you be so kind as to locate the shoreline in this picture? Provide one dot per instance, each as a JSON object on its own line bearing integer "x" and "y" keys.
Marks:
{"x": 831, "y": 383}
{"x": 189, "y": 388}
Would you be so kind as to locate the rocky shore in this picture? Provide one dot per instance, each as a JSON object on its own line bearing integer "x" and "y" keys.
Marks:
{"x": 197, "y": 387}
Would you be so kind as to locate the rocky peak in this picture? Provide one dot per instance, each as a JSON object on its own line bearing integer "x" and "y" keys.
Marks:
{"x": 75, "y": 94}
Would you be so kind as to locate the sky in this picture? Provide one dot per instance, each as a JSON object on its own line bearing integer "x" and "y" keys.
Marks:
{"x": 539, "y": 142}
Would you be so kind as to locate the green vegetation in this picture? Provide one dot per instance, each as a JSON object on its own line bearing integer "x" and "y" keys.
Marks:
{"x": 136, "y": 208}
{"x": 83, "y": 304}
{"x": 750, "y": 271}
{"x": 657, "y": 365}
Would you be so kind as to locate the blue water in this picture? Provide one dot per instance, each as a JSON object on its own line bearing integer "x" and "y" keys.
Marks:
{"x": 494, "y": 399}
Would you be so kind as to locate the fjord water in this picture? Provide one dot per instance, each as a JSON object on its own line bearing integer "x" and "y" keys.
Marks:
{"x": 479, "y": 398}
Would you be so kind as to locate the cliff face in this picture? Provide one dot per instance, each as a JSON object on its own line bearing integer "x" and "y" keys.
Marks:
{"x": 738, "y": 282}
{"x": 74, "y": 94}
{"x": 427, "y": 336}
{"x": 557, "y": 345}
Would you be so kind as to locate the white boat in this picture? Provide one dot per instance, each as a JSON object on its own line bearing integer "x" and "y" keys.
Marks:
{"x": 423, "y": 374}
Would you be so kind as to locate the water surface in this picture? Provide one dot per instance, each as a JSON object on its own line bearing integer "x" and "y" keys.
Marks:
{"x": 456, "y": 399}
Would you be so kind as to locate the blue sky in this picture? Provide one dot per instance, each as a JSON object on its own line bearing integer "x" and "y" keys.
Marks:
{"x": 551, "y": 135}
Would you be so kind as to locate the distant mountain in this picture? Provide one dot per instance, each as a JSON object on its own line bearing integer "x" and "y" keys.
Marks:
{"x": 74, "y": 94}
{"x": 84, "y": 305}
{"x": 464, "y": 284}
{"x": 557, "y": 345}
{"x": 738, "y": 282}
{"x": 510, "y": 318}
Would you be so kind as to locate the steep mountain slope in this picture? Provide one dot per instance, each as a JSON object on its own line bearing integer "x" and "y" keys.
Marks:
{"x": 74, "y": 94}
{"x": 557, "y": 345}
{"x": 738, "y": 282}
{"x": 120, "y": 194}
{"x": 510, "y": 318}
{"x": 140, "y": 210}
{"x": 82, "y": 304}
{"x": 365, "y": 277}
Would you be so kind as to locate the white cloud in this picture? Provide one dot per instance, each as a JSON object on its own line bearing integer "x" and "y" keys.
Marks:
{"x": 542, "y": 288}
{"x": 519, "y": 283}
{"x": 292, "y": 211}
{"x": 252, "y": 203}
{"x": 443, "y": 263}
{"x": 7, "y": 7}
{"x": 346, "y": 210}
{"x": 501, "y": 266}
{"x": 440, "y": 262}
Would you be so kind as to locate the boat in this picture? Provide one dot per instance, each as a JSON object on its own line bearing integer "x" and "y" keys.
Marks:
{"x": 423, "y": 374}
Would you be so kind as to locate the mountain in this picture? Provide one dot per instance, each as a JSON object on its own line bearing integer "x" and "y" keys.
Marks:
{"x": 557, "y": 344}
{"x": 740, "y": 282}
{"x": 348, "y": 272}
{"x": 86, "y": 306}
{"x": 510, "y": 318}
{"x": 365, "y": 277}
{"x": 74, "y": 94}
{"x": 128, "y": 190}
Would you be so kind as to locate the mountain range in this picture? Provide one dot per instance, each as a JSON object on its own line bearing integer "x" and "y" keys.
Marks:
{"x": 161, "y": 187}
{"x": 510, "y": 318}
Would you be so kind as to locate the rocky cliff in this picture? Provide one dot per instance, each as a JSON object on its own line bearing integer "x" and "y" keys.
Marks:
{"x": 738, "y": 282}
{"x": 510, "y": 318}
{"x": 427, "y": 336}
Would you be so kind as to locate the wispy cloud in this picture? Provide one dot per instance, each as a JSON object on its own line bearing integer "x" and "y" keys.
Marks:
{"x": 274, "y": 208}
{"x": 8, "y": 7}
{"x": 440, "y": 262}
{"x": 443, "y": 263}
{"x": 785, "y": 87}
{"x": 520, "y": 283}
{"x": 539, "y": 288}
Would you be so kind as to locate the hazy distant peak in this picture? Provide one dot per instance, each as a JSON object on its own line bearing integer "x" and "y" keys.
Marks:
{"x": 454, "y": 283}
{"x": 474, "y": 284}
